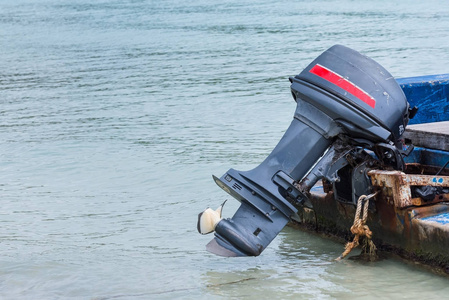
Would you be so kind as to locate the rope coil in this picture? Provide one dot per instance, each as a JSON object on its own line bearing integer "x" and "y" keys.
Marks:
{"x": 359, "y": 228}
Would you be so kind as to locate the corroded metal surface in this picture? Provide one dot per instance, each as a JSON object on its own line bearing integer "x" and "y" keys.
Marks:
{"x": 401, "y": 224}
{"x": 400, "y": 221}
{"x": 396, "y": 185}
{"x": 393, "y": 185}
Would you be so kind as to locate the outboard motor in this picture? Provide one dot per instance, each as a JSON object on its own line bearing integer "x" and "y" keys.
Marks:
{"x": 345, "y": 101}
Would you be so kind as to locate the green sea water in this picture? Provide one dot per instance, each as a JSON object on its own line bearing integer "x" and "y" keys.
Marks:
{"x": 115, "y": 114}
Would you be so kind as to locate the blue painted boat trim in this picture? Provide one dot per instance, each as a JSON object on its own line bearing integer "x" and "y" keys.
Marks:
{"x": 427, "y": 156}
{"x": 440, "y": 218}
{"x": 430, "y": 94}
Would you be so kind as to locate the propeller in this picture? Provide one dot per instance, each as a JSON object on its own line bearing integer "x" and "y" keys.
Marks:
{"x": 208, "y": 219}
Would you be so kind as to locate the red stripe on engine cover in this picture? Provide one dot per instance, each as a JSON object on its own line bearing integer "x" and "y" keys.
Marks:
{"x": 343, "y": 83}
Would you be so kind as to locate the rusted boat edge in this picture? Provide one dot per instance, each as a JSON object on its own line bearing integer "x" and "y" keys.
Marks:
{"x": 401, "y": 223}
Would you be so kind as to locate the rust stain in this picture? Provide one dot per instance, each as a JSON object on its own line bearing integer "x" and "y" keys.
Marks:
{"x": 396, "y": 186}
{"x": 396, "y": 219}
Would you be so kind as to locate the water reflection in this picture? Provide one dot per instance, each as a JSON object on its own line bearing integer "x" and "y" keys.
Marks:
{"x": 302, "y": 265}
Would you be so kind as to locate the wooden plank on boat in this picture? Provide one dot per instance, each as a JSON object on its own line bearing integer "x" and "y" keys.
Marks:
{"x": 429, "y": 135}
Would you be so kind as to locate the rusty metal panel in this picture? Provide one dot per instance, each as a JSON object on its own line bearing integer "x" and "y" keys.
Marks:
{"x": 395, "y": 185}
{"x": 414, "y": 179}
